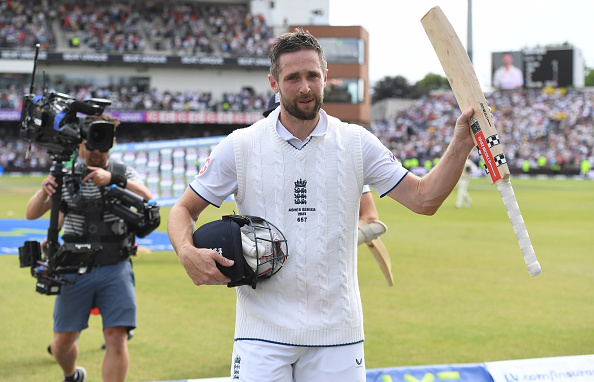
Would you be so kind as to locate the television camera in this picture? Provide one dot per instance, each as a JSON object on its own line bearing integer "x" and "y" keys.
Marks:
{"x": 51, "y": 121}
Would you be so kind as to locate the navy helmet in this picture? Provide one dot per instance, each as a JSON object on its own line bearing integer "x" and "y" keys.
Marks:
{"x": 273, "y": 103}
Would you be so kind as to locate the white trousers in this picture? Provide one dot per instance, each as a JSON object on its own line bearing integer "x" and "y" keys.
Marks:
{"x": 463, "y": 197}
{"x": 260, "y": 361}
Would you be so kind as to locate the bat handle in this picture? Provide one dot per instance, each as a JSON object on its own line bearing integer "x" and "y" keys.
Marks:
{"x": 515, "y": 216}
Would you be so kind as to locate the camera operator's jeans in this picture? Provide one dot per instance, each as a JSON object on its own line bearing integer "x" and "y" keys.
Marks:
{"x": 109, "y": 288}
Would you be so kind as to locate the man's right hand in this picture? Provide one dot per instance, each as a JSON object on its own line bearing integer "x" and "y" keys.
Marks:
{"x": 200, "y": 265}
{"x": 49, "y": 185}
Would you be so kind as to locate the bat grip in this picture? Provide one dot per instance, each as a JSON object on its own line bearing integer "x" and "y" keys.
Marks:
{"x": 515, "y": 216}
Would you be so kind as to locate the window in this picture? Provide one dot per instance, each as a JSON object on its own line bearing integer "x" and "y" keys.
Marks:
{"x": 345, "y": 90}
{"x": 347, "y": 50}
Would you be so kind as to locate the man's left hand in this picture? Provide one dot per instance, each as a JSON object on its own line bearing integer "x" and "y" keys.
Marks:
{"x": 99, "y": 176}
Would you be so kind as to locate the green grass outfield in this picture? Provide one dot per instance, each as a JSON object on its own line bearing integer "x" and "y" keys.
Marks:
{"x": 462, "y": 293}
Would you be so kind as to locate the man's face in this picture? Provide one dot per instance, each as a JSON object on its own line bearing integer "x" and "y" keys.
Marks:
{"x": 95, "y": 157}
{"x": 508, "y": 59}
{"x": 301, "y": 83}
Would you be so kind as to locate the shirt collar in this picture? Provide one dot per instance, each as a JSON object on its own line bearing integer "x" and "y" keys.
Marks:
{"x": 319, "y": 131}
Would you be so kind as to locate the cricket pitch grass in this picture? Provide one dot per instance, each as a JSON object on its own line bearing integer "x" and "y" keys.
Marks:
{"x": 460, "y": 295}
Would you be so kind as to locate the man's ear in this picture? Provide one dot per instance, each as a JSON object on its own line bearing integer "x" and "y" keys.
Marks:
{"x": 273, "y": 83}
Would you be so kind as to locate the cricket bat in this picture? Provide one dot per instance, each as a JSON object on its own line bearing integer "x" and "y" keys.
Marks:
{"x": 467, "y": 90}
{"x": 382, "y": 257}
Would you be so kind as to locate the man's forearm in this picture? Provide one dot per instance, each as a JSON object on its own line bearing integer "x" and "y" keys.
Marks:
{"x": 39, "y": 204}
{"x": 437, "y": 185}
{"x": 139, "y": 189}
{"x": 180, "y": 227}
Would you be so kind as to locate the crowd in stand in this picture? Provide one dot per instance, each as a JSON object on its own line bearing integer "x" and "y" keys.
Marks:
{"x": 133, "y": 97}
{"x": 242, "y": 33}
{"x": 203, "y": 28}
{"x": 135, "y": 26}
{"x": 14, "y": 153}
{"x": 181, "y": 27}
{"x": 536, "y": 127}
{"x": 124, "y": 98}
{"x": 104, "y": 26}
{"x": 10, "y": 98}
{"x": 532, "y": 125}
{"x": 26, "y": 23}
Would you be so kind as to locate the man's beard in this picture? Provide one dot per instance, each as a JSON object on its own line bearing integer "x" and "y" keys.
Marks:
{"x": 96, "y": 161}
{"x": 294, "y": 110}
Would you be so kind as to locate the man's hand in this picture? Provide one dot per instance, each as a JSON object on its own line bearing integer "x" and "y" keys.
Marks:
{"x": 370, "y": 231}
{"x": 200, "y": 265}
{"x": 462, "y": 132}
{"x": 49, "y": 185}
{"x": 99, "y": 176}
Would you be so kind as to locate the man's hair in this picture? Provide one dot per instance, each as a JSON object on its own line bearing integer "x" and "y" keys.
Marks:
{"x": 92, "y": 118}
{"x": 294, "y": 42}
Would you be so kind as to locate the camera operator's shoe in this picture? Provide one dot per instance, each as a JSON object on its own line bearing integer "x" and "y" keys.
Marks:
{"x": 81, "y": 375}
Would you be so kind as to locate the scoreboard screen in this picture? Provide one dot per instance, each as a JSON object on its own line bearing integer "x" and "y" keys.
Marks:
{"x": 548, "y": 67}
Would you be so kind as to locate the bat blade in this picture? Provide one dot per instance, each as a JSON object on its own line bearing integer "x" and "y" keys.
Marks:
{"x": 467, "y": 90}
{"x": 382, "y": 257}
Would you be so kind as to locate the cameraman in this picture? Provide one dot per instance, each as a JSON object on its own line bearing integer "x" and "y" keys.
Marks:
{"x": 110, "y": 283}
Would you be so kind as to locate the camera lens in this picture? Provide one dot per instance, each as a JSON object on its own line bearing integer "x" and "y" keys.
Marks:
{"x": 97, "y": 135}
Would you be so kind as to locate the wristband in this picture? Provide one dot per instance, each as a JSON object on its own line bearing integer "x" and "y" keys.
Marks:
{"x": 41, "y": 201}
{"x": 119, "y": 180}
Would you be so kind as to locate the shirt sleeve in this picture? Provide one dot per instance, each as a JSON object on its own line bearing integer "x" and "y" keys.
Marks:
{"x": 381, "y": 169}
{"x": 133, "y": 175}
{"x": 217, "y": 178}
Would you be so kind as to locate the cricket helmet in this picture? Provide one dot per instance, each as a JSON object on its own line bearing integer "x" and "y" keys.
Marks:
{"x": 258, "y": 248}
{"x": 273, "y": 103}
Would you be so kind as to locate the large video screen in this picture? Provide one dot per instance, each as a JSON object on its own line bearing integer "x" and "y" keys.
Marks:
{"x": 533, "y": 69}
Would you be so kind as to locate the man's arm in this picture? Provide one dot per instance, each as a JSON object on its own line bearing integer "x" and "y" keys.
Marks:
{"x": 199, "y": 263}
{"x": 40, "y": 202}
{"x": 425, "y": 195}
{"x": 102, "y": 177}
{"x": 139, "y": 189}
{"x": 367, "y": 209}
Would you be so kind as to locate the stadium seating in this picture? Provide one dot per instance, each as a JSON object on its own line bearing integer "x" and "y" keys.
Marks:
{"x": 25, "y": 25}
{"x": 538, "y": 128}
{"x": 532, "y": 124}
{"x": 551, "y": 129}
{"x": 144, "y": 26}
{"x": 100, "y": 26}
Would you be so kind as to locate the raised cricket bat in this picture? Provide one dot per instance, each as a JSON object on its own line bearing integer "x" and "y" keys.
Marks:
{"x": 462, "y": 77}
{"x": 381, "y": 255}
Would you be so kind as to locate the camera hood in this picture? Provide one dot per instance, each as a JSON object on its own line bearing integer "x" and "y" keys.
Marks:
{"x": 99, "y": 135}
